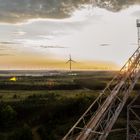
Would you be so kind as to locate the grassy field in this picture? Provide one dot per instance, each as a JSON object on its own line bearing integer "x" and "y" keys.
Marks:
{"x": 46, "y": 107}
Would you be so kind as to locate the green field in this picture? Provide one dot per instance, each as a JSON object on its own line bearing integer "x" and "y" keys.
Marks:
{"x": 46, "y": 107}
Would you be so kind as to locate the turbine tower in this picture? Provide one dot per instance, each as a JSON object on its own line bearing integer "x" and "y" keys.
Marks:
{"x": 70, "y": 62}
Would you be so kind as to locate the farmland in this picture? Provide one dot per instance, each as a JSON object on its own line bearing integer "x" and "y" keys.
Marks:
{"x": 45, "y": 107}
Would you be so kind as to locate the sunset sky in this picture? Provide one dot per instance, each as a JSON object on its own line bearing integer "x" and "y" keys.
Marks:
{"x": 40, "y": 34}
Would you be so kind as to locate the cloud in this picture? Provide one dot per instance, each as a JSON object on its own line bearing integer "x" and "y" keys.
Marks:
{"x": 6, "y": 47}
{"x": 8, "y": 43}
{"x": 52, "y": 47}
{"x": 115, "y": 5}
{"x": 2, "y": 54}
{"x": 15, "y": 11}
{"x": 104, "y": 44}
{"x": 19, "y": 33}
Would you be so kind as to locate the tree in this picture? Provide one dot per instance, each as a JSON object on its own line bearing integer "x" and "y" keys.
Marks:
{"x": 7, "y": 117}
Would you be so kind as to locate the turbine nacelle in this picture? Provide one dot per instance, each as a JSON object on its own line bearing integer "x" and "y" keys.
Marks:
{"x": 70, "y": 61}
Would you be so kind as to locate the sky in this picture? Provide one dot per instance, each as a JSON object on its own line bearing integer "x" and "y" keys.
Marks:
{"x": 40, "y": 34}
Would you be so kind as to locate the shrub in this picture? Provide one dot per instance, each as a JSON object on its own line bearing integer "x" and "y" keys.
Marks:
{"x": 23, "y": 133}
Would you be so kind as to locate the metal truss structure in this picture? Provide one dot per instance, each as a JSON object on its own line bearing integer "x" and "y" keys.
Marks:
{"x": 133, "y": 120}
{"x": 98, "y": 120}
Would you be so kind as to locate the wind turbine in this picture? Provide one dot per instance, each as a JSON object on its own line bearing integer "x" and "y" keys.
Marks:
{"x": 70, "y": 61}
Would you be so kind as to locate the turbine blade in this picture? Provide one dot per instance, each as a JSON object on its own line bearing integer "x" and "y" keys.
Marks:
{"x": 73, "y": 61}
{"x": 68, "y": 61}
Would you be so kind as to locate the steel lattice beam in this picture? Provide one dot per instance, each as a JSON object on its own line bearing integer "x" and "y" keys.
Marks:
{"x": 99, "y": 118}
{"x": 133, "y": 120}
